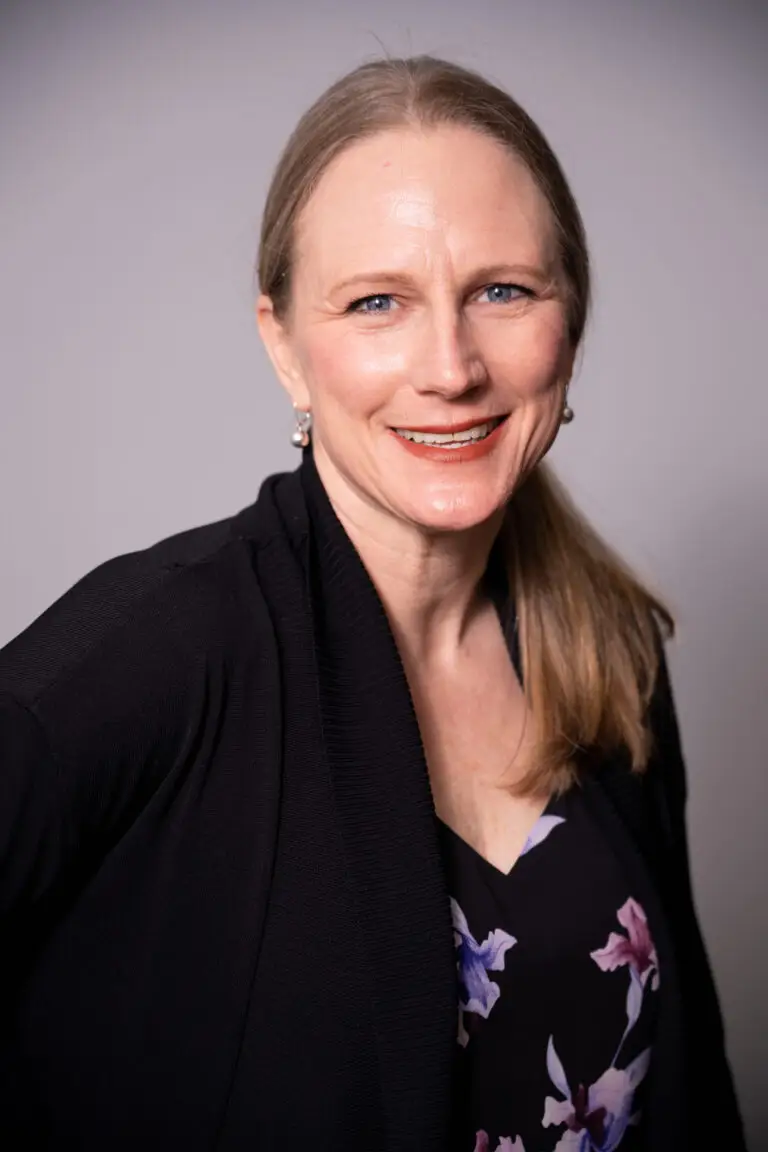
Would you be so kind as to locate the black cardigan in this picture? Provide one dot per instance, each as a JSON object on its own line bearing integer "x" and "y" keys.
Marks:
{"x": 224, "y": 919}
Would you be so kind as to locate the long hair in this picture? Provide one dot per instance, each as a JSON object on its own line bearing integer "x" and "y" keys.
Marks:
{"x": 589, "y": 631}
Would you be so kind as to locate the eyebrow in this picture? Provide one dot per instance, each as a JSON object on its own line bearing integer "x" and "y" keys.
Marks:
{"x": 486, "y": 272}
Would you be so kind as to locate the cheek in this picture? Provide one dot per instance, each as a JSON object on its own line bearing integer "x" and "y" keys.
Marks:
{"x": 533, "y": 359}
{"x": 356, "y": 375}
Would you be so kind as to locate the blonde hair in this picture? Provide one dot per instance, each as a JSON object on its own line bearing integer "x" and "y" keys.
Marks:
{"x": 588, "y": 630}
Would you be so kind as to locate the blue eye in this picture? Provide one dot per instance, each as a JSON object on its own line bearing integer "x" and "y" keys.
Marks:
{"x": 381, "y": 303}
{"x": 499, "y": 292}
{"x": 378, "y": 298}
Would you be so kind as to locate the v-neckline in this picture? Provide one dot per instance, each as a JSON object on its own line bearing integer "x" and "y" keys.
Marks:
{"x": 524, "y": 851}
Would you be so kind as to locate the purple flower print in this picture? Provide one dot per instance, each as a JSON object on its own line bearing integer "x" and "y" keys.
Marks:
{"x": 596, "y": 1117}
{"x": 476, "y": 992}
{"x": 636, "y": 949}
{"x": 506, "y": 1144}
{"x": 541, "y": 830}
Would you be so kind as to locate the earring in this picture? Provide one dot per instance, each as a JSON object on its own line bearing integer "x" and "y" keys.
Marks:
{"x": 300, "y": 435}
{"x": 567, "y": 413}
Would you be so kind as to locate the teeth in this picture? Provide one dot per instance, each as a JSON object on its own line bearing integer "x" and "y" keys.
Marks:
{"x": 450, "y": 439}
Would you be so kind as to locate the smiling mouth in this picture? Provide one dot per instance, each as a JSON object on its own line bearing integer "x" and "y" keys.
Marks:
{"x": 457, "y": 438}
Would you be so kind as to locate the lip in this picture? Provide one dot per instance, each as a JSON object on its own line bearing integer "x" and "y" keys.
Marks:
{"x": 468, "y": 452}
{"x": 444, "y": 429}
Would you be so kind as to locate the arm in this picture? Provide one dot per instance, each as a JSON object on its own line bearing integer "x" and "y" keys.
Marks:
{"x": 95, "y": 698}
{"x": 714, "y": 1112}
{"x": 37, "y": 836}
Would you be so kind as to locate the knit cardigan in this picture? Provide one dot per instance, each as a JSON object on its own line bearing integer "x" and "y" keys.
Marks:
{"x": 224, "y": 918}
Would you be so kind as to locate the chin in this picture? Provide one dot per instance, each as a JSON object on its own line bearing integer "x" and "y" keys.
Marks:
{"x": 454, "y": 510}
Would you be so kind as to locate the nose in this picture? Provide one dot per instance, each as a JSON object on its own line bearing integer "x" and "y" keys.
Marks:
{"x": 449, "y": 363}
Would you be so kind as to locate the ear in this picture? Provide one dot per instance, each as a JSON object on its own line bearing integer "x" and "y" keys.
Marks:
{"x": 277, "y": 341}
{"x": 571, "y": 365}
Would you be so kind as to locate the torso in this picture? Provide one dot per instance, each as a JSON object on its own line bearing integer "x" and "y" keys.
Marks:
{"x": 475, "y": 727}
{"x": 536, "y": 955}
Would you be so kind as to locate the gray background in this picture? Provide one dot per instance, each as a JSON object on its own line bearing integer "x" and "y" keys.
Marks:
{"x": 136, "y": 144}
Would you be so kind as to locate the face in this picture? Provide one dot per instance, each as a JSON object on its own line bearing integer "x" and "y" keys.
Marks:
{"x": 427, "y": 299}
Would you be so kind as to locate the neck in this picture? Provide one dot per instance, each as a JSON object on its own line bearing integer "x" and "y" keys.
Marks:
{"x": 428, "y": 581}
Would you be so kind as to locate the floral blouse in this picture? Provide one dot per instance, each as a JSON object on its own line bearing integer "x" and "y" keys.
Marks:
{"x": 557, "y": 975}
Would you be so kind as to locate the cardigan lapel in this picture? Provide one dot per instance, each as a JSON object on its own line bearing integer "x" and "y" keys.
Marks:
{"x": 386, "y": 815}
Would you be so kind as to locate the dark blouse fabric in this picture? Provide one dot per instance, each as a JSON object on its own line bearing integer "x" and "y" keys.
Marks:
{"x": 558, "y": 978}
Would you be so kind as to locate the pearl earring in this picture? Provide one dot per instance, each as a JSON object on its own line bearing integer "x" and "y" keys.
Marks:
{"x": 300, "y": 435}
{"x": 567, "y": 413}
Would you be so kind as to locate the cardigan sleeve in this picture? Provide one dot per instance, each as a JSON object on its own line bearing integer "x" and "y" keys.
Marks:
{"x": 101, "y": 698}
{"x": 71, "y": 783}
{"x": 714, "y": 1111}
{"x": 36, "y": 835}
{"x": 80, "y": 759}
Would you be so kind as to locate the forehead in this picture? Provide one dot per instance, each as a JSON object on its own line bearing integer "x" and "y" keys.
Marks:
{"x": 408, "y": 192}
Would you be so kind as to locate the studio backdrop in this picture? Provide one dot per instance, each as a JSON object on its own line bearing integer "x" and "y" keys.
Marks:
{"x": 136, "y": 145}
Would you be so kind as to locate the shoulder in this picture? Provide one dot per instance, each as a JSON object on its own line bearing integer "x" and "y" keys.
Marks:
{"x": 138, "y": 620}
{"x": 105, "y": 693}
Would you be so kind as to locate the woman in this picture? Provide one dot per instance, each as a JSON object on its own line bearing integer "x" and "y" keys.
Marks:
{"x": 358, "y": 818}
